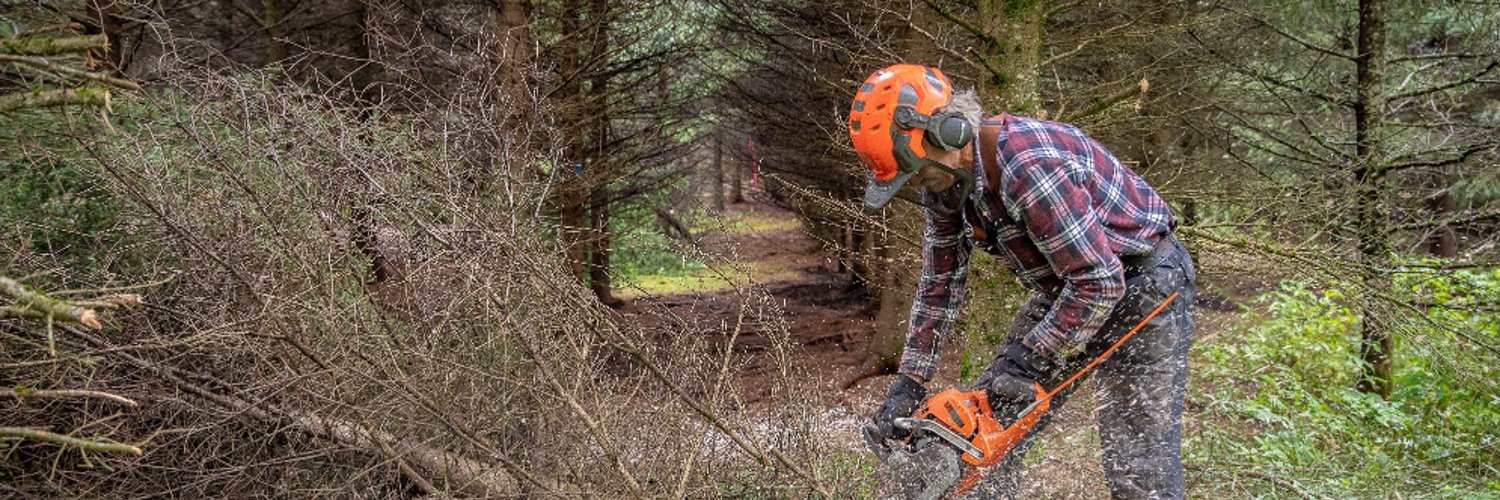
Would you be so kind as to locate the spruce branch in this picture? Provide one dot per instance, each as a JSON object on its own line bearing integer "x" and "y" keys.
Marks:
{"x": 29, "y": 302}
{"x": 86, "y": 96}
{"x": 49, "y": 65}
{"x": 51, "y": 46}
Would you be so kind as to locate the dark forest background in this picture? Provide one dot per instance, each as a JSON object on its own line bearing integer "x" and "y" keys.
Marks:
{"x": 379, "y": 248}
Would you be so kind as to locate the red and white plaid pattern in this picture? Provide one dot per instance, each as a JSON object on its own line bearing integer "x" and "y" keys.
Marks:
{"x": 1065, "y": 213}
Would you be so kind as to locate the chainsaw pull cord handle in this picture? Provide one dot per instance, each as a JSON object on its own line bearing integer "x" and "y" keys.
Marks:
{"x": 1112, "y": 347}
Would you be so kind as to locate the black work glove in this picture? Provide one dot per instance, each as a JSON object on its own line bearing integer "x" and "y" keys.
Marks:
{"x": 901, "y": 402}
{"x": 1013, "y": 388}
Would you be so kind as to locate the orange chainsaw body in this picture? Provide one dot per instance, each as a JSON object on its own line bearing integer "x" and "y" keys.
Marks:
{"x": 969, "y": 415}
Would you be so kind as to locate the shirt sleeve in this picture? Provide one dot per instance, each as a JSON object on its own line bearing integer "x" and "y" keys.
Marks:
{"x": 1051, "y": 198}
{"x": 940, "y": 291}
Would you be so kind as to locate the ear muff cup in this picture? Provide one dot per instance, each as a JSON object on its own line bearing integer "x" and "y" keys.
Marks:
{"x": 946, "y": 130}
{"x": 949, "y": 131}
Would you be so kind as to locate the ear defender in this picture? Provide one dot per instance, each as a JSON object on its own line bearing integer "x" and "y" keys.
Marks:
{"x": 952, "y": 131}
{"x": 946, "y": 130}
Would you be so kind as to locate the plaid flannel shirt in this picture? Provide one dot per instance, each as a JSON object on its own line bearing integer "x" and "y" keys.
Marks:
{"x": 1065, "y": 212}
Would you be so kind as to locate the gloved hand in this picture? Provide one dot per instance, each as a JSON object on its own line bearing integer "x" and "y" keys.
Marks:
{"x": 901, "y": 402}
{"x": 1008, "y": 394}
{"x": 1013, "y": 388}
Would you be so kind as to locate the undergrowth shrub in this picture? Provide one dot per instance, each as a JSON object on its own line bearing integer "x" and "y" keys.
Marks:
{"x": 1282, "y": 403}
{"x": 641, "y": 248}
{"x": 55, "y": 212}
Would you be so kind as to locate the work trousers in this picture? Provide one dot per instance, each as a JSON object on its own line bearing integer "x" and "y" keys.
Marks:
{"x": 1138, "y": 389}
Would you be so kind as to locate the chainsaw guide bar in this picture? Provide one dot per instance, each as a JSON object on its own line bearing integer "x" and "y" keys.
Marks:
{"x": 942, "y": 432}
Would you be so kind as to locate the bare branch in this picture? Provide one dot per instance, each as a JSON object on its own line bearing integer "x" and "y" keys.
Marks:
{"x": 964, "y": 23}
{"x": 24, "y": 393}
{"x": 94, "y": 445}
{"x": 1468, "y": 80}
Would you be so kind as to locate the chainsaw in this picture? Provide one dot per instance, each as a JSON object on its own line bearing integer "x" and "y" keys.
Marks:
{"x": 967, "y": 425}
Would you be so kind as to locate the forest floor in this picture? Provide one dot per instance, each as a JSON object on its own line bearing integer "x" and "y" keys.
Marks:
{"x": 830, "y": 325}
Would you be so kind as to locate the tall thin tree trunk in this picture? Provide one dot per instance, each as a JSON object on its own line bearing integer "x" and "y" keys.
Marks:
{"x": 513, "y": 117}
{"x": 361, "y": 207}
{"x": 275, "y": 28}
{"x": 599, "y": 280}
{"x": 107, "y": 14}
{"x": 364, "y": 73}
{"x": 572, "y": 192}
{"x": 718, "y": 174}
{"x": 895, "y": 287}
{"x": 1443, "y": 242}
{"x": 1372, "y": 216}
{"x": 1013, "y": 49}
{"x": 859, "y": 261}
{"x": 571, "y": 227}
{"x": 736, "y": 191}
{"x": 600, "y": 196}
{"x": 513, "y": 21}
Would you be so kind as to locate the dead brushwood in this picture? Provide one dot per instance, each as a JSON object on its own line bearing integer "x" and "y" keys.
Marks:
{"x": 282, "y": 358}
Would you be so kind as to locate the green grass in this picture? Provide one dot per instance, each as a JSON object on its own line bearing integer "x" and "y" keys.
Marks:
{"x": 756, "y": 221}
{"x": 653, "y": 266}
{"x": 697, "y": 282}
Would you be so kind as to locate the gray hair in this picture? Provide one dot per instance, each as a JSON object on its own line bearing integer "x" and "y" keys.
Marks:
{"x": 966, "y": 102}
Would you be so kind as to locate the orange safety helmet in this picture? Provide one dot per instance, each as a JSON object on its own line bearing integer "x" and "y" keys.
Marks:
{"x": 898, "y": 112}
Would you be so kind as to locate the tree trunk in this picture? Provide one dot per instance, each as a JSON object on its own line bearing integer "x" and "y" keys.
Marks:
{"x": 513, "y": 55}
{"x": 364, "y": 73}
{"x": 599, "y": 280}
{"x": 1012, "y": 52}
{"x": 895, "y": 289}
{"x": 600, "y": 197}
{"x": 570, "y": 232}
{"x": 845, "y": 247}
{"x": 275, "y": 28}
{"x": 1443, "y": 242}
{"x": 737, "y": 192}
{"x": 513, "y": 58}
{"x": 718, "y": 175}
{"x": 1372, "y": 216}
{"x": 1011, "y": 49}
{"x": 572, "y": 191}
{"x": 108, "y": 13}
